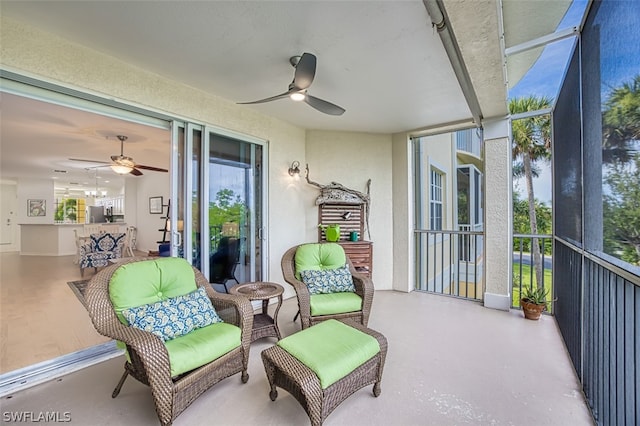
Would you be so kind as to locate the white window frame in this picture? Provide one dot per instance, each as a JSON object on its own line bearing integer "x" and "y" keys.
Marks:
{"x": 436, "y": 198}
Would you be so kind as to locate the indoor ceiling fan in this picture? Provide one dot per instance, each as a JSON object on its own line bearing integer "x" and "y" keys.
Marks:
{"x": 305, "y": 66}
{"x": 122, "y": 164}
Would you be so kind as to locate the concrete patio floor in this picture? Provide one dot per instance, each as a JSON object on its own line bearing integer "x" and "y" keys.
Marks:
{"x": 450, "y": 362}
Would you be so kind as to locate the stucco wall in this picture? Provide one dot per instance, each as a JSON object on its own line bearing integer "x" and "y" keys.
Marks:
{"x": 437, "y": 153}
{"x": 348, "y": 158}
{"x": 498, "y": 220}
{"x": 351, "y": 159}
{"x": 31, "y": 52}
{"x": 403, "y": 223}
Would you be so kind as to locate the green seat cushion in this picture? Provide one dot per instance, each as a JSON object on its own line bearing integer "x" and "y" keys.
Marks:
{"x": 316, "y": 257}
{"x": 201, "y": 346}
{"x": 142, "y": 283}
{"x": 335, "y": 303}
{"x": 331, "y": 349}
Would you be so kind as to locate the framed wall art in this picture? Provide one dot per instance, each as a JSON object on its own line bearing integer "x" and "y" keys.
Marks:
{"x": 36, "y": 208}
{"x": 155, "y": 205}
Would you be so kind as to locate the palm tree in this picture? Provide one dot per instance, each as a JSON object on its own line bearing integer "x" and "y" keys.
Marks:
{"x": 621, "y": 122}
{"x": 531, "y": 143}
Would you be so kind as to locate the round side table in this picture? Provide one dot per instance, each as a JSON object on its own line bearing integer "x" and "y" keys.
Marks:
{"x": 263, "y": 324}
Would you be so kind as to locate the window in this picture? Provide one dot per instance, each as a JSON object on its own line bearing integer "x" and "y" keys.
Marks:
{"x": 435, "y": 200}
{"x": 69, "y": 210}
{"x": 469, "y": 181}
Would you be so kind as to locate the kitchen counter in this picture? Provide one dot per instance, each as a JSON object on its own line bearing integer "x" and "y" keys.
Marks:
{"x": 53, "y": 239}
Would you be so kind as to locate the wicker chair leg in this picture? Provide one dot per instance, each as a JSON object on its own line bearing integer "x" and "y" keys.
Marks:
{"x": 273, "y": 394}
{"x": 376, "y": 389}
{"x": 245, "y": 376}
{"x": 116, "y": 391}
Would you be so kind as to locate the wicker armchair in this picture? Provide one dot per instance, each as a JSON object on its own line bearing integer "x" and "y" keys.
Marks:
{"x": 363, "y": 285}
{"x": 147, "y": 356}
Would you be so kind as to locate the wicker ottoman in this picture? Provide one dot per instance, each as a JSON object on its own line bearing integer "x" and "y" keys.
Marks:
{"x": 286, "y": 371}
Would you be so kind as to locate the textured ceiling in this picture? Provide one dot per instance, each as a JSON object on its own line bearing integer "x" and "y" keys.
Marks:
{"x": 380, "y": 60}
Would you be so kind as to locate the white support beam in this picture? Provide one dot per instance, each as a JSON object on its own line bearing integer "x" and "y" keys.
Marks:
{"x": 542, "y": 41}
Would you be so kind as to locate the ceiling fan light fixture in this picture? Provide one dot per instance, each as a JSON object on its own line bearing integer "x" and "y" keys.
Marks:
{"x": 297, "y": 96}
{"x": 121, "y": 169}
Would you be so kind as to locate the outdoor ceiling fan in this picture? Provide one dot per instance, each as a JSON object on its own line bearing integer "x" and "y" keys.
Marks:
{"x": 305, "y": 66}
{"x": 121, "y": 164}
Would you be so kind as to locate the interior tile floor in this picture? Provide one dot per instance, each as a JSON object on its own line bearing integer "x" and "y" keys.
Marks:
{"x": 450, "y": 362}
{"x": 40, "y": 317}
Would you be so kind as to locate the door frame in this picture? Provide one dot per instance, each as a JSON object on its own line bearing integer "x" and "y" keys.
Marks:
{"x": 184, "y": 239}
{"x": 52, "y": 92}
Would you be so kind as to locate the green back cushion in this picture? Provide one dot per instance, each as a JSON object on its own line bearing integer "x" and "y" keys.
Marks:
{"x": 201, "y": 346}
{"x": 334, "y": 303}
{"x": 316, "y": 257}
{"x": 331, "y": 349}
{"x": 150, "y": 281}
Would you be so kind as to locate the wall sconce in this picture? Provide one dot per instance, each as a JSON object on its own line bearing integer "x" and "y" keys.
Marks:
{"x": 294, "y": 170}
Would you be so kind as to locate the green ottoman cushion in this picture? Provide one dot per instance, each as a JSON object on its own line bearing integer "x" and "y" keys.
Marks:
{"x": 331, "y": 349}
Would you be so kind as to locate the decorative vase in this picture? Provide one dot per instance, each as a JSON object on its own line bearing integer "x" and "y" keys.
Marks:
{"x": 531, "y": 311}
{"x": 332, "y": 232}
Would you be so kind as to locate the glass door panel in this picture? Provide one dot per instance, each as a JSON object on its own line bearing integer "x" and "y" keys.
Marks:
{"x": 234, "y": 213}
{"x": 218, "y": 217}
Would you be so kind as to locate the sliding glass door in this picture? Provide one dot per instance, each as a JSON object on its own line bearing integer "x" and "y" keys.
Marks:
{"x": 219, "y": 215}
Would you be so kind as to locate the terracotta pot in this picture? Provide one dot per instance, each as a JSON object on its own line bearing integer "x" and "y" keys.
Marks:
{"x": 531, "y": 311}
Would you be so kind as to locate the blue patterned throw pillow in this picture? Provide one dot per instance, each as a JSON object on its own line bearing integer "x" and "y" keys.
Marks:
{"x": 175, "y": 316}
{"x": 328, "y": 280}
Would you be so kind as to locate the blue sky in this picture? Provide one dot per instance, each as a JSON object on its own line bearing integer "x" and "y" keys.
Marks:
{"x": 543, "y": 79}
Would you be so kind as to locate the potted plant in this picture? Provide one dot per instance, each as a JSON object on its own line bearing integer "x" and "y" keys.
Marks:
{"x": 533, "y": 302}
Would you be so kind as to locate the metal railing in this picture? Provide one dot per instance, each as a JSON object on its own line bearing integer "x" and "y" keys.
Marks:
{"x": 450, "y": 263}
{"x": 598, "y": 315}
{"x": 524, "y": 273}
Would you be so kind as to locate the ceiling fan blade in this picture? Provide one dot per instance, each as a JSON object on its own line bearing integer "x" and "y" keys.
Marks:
{"x": 324, "y": 106}
{"x": 135, "y": 172}
{"x": 90, "y": 161}
{"x": 155, "y": 169}
{"x": 272, "y": 98}
{"x": 305, "y": 72}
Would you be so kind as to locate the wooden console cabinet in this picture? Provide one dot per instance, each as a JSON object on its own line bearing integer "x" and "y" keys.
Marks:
{"x": 351, "y": 218}
{"x": 361, "y": 255}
